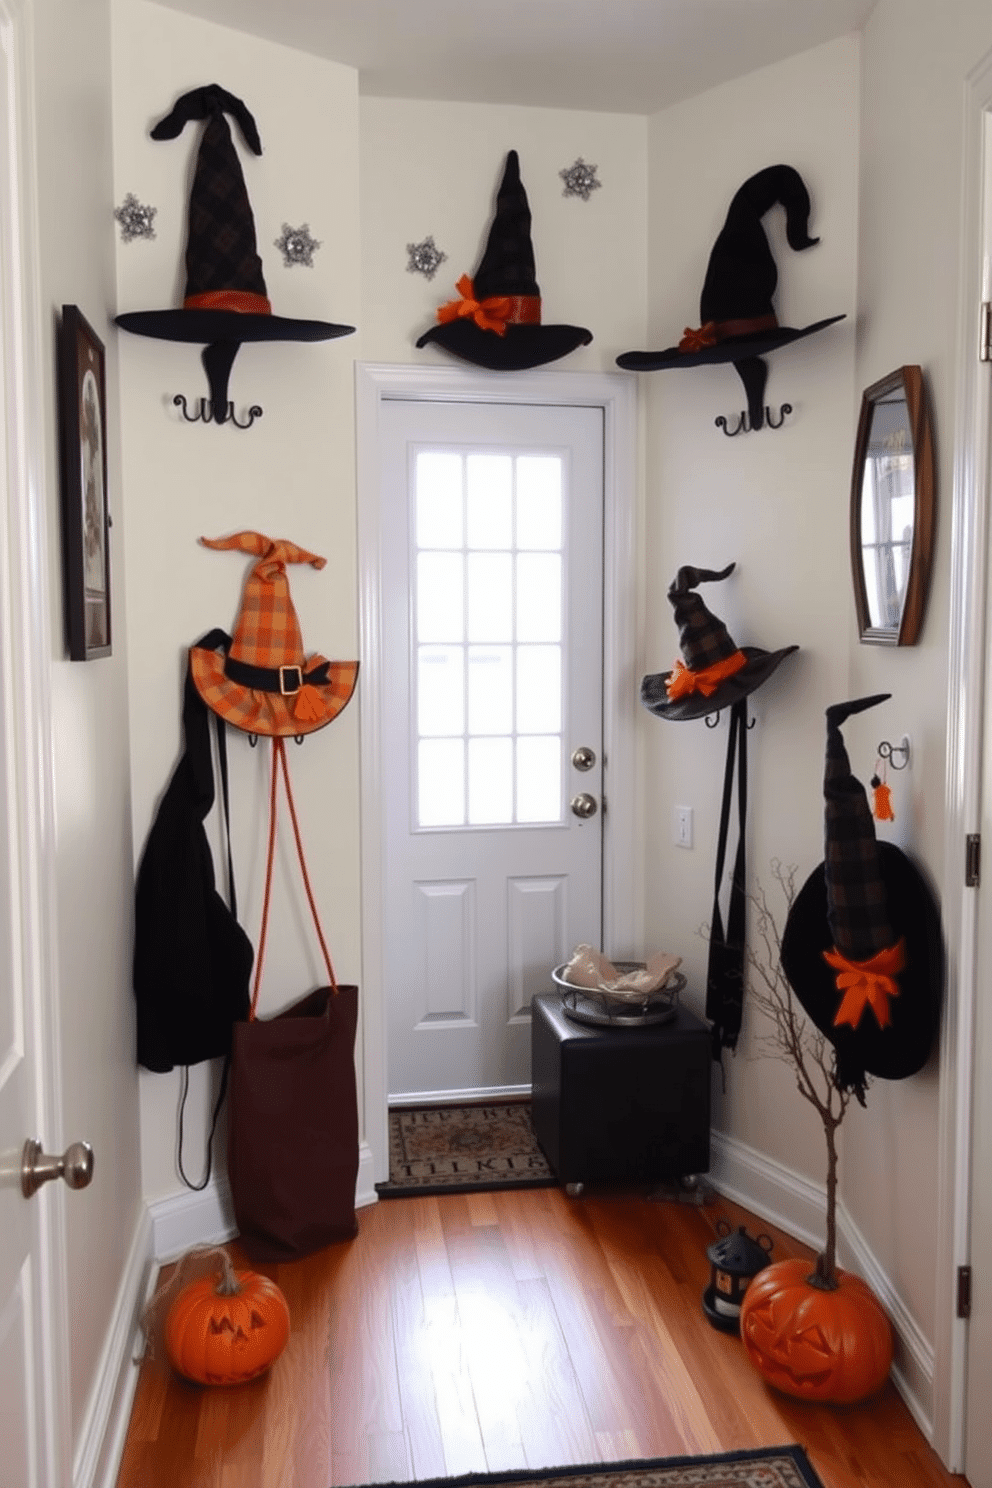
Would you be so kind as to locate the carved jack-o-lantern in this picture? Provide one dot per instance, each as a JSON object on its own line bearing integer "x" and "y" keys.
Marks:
{"x": 817, "y": 1344}
{"x": 227, "y": 1331}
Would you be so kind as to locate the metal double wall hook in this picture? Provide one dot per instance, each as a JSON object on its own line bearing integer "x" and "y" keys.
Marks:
{"x": 745, "y": 426}
{"x": 207, "y": 415}
{"x": 712, "y": 720}
{"x": 887, "y": 751}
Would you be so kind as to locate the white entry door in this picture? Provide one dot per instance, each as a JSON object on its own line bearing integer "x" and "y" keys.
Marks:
{"x": 33, "y": 1424}
{"x": 492, "y": 630}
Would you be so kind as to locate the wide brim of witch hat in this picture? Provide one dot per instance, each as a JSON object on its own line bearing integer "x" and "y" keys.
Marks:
{"x": 904, "y": 1046}
{"x": 733, "y": 349}
{"x": 522, "y": 347}
{"x": 758, "y": 668}
{"x": 207, "y": 326}
{"x": 264, "y": 683}
{"x": 504, "y": 287}
{"x": 225, "y": 298}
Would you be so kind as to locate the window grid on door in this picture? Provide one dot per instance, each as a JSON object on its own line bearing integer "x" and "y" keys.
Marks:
{"x": 488, "y": 534}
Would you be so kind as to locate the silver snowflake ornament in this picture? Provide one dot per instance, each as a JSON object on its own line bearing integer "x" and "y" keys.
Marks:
{"x": 135, "y": 219}
{"x": 580, "y": 179}
{"x": 297, "y": 246}
{"x": 424, "y": 258}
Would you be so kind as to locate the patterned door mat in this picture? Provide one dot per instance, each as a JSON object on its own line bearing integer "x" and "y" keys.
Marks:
{"x": 463, "y": 1149}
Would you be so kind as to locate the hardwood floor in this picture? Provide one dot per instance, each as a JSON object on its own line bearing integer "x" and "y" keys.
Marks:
{"x": 512, "y": 1330}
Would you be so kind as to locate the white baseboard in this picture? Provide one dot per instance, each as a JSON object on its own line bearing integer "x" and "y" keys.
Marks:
{"x": 795, "y": 1204}
{"x": 96, "y": 1459}
{"x": 365, "y": 1193}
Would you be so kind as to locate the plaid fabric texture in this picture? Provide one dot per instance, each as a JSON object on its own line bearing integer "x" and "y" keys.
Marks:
{"x": 857, "y": 903}
{"x": 267, "y": 634}
{"x": 221, "y": 250}
{"x": 702, "y": 638}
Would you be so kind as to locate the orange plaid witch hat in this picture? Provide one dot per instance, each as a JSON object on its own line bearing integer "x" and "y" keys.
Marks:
{"x": 264, "y": 684}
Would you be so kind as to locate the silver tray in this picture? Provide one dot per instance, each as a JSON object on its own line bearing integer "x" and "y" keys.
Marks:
{"x": 606, "y": 1010}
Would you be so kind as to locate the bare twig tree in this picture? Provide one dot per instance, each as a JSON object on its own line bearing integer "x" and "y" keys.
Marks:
{"x": 792, "y": 1038}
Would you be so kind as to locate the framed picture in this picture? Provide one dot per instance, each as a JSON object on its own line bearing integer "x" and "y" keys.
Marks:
{"x": 85, "y": 517}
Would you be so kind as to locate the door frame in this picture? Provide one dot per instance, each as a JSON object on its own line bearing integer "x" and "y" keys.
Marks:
{"x": 968, "y": 658}
{"x": 25, "y": 586}
{"x": 615, "y": 394}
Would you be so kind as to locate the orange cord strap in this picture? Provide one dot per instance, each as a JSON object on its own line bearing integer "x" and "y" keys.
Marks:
{"x": 683, "y": 681}
{"x": 279, "y": 757}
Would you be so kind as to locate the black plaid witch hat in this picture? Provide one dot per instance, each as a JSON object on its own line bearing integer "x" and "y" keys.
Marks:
{"x": 226, "y": 302}
{"x": 862, "y": 946}
{"x": 497, "y": 321}
{"x": 716, "y": 672}
{"x": 736, "y": 310}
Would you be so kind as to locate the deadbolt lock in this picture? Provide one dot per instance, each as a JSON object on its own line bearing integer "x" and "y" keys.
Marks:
{"x": 584, "y": 758}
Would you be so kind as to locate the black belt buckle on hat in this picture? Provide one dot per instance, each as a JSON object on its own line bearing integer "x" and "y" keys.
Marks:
{"x": 285, "y": 687}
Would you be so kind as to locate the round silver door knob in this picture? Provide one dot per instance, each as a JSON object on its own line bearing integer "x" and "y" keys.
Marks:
{"x": 37, "y": 1167}
{"x": 584, "y": 805}
{"x": 584, "y": 758}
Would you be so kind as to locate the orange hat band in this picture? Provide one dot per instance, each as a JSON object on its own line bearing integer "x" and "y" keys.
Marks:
{"x": 241, "y": 300}
{"x": 494, "y": 313}
{"x": 683, "y": 681}
{"x": 725, "y": 330}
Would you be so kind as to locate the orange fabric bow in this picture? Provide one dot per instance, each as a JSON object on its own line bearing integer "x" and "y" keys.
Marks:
{"x": 489, "y": 315}
{"x": 309, "y": 704}
{"x": 698, "y": 339}
{"x": 682, "y": 681}
{"x": 867, "y": 983}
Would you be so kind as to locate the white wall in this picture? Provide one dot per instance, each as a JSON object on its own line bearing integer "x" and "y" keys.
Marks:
{"x": 434, "y": 168}
{"x": 291, "y": 475}
{"x": 915, "y": 60}
{"x": 773, "y": 501}
{"x": 89, "y": 700}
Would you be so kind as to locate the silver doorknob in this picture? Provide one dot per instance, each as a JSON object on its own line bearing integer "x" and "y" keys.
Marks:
{"x": 584, "y": 805}
{"x": 584, "y": 758}
{"x": 37, "y": 1167}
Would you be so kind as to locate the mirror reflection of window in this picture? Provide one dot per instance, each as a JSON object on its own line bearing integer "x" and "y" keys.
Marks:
{"x": 887, "y": 511}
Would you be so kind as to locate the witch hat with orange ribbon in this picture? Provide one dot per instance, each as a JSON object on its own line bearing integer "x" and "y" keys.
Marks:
{"x": 862, "y": 945}
{"x": 738, "y": 323}
{"x": 716, "y": 672}
{"x": 496, "y": 322}
{"x": 264, "y": 684}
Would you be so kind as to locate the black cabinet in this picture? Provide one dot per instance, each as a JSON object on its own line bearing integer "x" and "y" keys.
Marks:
{"x": 613, "y": 1104}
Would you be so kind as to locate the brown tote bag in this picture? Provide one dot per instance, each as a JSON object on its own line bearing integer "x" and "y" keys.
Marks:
{"x": 292, "y": 1145}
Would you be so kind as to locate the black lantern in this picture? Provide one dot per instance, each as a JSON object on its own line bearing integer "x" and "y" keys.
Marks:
{"x": 734, "y": 1259}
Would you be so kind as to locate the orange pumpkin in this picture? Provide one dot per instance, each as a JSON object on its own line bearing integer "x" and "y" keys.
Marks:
{"x": 817, "y": 1344}
{"x": 228, "y": 1330}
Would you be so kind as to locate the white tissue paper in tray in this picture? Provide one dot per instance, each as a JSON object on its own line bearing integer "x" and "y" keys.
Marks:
{"x": 590, "y": 968}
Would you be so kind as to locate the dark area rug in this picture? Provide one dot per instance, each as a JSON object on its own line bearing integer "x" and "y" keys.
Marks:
{"x": 463, "y": 1149}
{"x": 773, "y": 1467}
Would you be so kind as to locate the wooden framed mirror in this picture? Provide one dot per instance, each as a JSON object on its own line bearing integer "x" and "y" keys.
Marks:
{"x": 893, "y": 509}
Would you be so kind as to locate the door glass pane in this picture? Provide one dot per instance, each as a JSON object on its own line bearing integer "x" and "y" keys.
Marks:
{"x": 441, "y": 781}
{"x": 488, "y": 638}
{"x": 490, "y": 597}
{"x": 539, "y": 508}
{"x": 440, "y": 690}
{"x": 490, "y": 782}
{"x": 489, "y": 483}
{"x": 539, "y": 690}
{"x": 539, "y": 779}
{"x": 440, "y": 603}
{"x": 490, "y": 689}
{"x": 439, "y": 499}
{"x": 539, "y": 597}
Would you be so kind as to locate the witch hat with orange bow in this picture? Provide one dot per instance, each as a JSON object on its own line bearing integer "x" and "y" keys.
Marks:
{"x": 497, "y": 321}
{"x": 264, "y": 684}
{"x": 716, "y": 672}
{"x": 862, "y": 946}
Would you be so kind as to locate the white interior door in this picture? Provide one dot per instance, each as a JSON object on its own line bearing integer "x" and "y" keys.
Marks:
{"x": 492, "y": 625}
{"x": 33, "y": 1419}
